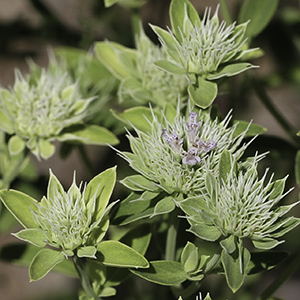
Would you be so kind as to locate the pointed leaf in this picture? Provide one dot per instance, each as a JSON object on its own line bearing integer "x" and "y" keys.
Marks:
{"x": 118, "y": 59}
{"x": 170, "y": 67}
{"x": 259, "y": 12}
{"x": 253, "y": 129}
{"x": 230, "y": 70}
{"x": 138, "y": 183}
{"x": 44, "y": 262}
{"x": 89, "y": 135}
{"x": 235, "y": 268}
{"x": 33, "y": 236}
{"x": 102, "y": 186}
{"x": 140, "y": 117}
{"x": 204, "y": 94}
{"x": 21, "y": 206}
{"x": 164, "y": 206}
{"x": 163, "y": 272}
{"x": 266, "y": 243}
{"x": 114, "y": 253}
{"x": 225, "y": 165}
{"x": 183, "y": 16}
{"x": 229, "y": 244}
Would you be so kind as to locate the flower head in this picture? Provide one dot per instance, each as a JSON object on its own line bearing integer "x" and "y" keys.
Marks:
{"x": 173, "y": 155}
{"x": 72, "y": 220}
{"x": 241, "y": 205}
{"x": 38, "y": 108}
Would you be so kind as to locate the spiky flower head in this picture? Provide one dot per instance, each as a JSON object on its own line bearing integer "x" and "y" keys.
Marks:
{"x": 38, "y": 108}
{"x": 141, "y": 81}
{"x": 240, "y": 204}
{"x": 172, "y": 155}
{"x": 73, "y": 221}
{"x": 202, "y": 46}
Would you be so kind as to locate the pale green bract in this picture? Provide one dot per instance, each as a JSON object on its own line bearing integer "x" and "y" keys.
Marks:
{"x": 172, "y": 156}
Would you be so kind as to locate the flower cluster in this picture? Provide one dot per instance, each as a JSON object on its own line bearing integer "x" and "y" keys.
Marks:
{"x": 75, "y": 220}
{"x": 196, "y": 146}
{"x": 37, "y": 109}
{"x": 241, "y": 205}
{"x": 173, "y": 155}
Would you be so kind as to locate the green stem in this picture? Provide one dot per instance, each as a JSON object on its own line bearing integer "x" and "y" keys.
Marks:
{"x": 85, "y": 281}
{"x": 289, "y": 129}
{"x": 135, "y": 22}
{"x": 292, "y": 265}
{"x": 225, "y": 11}
{"x": 172, "y": 236}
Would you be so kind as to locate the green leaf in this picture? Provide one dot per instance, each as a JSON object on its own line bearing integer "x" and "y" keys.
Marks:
{"x": 183, "y": 17}
{"x": 163, "y": 272}
{"x": 168, "y": 41}
{"x": 225, "y": 165}
{"x": 46, "y": 148}
{"x": 119, "y": 60}
{"x": 54, "y": 186}
{"x": 140, "y": 117}
{"x": 190, "y": 258}
{"x": 114, "y": 253}
{"x": 259, "y": 13}
{"x": 135, "y": 207}
{"x": 164, "y": 206}
{"x": 253, "y": 129}
{"x": 21, "y": 206}
{"x": 205, "y": 232}
{"x": 32, "y": 235}
{"x": 229, "y": 244}
{"x": 88, "y": 134}
{"x": 230, "y": 70}
{"x": 235, "y": 267}
{"x": 44, "y": 261}
{"x": 16, "y": 145}
{"x": 139, "y": 183}
{"x": 204, "y": 94}
{"x": 88, "y": 251}
{"x": 138, "y": 238}
{"x": 170, "y": 67}
{"x": 5, "y": 123}
{"x": 102, "y": 186}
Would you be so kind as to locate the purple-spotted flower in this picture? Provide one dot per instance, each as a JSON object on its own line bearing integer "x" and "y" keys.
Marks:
{"x": 172, "y": 155}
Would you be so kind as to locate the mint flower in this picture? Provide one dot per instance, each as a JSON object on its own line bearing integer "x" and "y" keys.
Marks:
{"x": 172, "y": 156}
{"x": 202, "y": 50}
{"x": 73, "y": 221}
{"x": 241, "y": 205}
{"x": 43, "y": 107}
{"x": 141, "y": 81}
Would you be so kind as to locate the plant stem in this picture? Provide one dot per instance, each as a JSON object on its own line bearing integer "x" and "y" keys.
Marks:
{"x": 261, "y": 93}
{"x": 292, "y": 265}
{"x": 172, "y": 236}
{"x": 85, "y": 281}
{"x": 135, "y": 22}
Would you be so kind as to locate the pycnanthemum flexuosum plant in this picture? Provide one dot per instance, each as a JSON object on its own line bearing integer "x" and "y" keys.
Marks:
{"x": 173, "y": 155}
